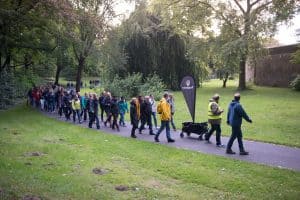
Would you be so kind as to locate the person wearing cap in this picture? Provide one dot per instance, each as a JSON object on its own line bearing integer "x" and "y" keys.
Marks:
{"x": 234, "y": 118}
{"x": 214, "y": 119}
{"x": 165, "y": 117}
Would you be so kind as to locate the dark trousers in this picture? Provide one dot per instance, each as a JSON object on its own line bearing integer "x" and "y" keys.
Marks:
{"x": 115, "y": 121}
{"x": 143, "y": 123}
{"x": 102, "y": 112}
{"x": 67, "y": 111}
{"x": 217, "y": 128}
{"x": 84, "y": 113}
{"x": 133, "y": 130}
{"x": 236, "y": 133}
{"x": 92, "y": 118}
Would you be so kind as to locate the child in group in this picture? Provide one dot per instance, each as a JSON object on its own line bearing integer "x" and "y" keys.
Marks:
{"x": 123, "y": 108}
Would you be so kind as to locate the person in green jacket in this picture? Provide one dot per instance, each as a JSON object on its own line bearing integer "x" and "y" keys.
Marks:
{"x": 123, "y": 108}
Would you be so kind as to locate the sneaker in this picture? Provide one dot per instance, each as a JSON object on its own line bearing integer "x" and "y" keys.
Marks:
{"x": 221, "y": 145}
{"x": 229, "y": 151}
{"x": 151, "y": 133}
{"x": 133, "y": 136}
{"x": 171, "y": 140}
{"x": 156, "y": 139}
{"x": 244, "y": 153}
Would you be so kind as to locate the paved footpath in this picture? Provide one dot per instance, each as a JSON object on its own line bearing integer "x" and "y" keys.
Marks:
{"x": 263, "y": 153}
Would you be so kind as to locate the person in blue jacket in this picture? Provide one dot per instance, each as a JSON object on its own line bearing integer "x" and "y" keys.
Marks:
{"x": 234, "y": 118}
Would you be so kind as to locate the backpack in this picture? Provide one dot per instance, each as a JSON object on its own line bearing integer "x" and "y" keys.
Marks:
{"x": 159, "y": 108}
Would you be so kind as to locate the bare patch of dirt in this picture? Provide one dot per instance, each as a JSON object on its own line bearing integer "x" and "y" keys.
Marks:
{"x": 14, "y": 131}
{"x": 35, "y": 154}
{"x": 31, "y": 197}
{"x": 122, "y": 188}
{"x": 100, "y": 171}
{"x": 153, "y": 183}
{"x": 48, "y": 165}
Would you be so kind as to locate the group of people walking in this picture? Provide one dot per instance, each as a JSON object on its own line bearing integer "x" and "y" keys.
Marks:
{"x": 67, "y": 103}
{"x": 235, "y": 115}
{"x": 143, "y": 110}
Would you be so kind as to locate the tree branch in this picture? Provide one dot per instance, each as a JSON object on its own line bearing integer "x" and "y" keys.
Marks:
{"x": 255, "y": 2}
{"x": 239, "y": 5}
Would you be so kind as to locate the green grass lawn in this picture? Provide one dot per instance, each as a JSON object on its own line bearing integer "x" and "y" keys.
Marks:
{"x": 148, "y": 170}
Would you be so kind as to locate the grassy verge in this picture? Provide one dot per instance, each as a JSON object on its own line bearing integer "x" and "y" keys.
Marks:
{"x": 275, "y": 111}
{"x": 68, "y": 154}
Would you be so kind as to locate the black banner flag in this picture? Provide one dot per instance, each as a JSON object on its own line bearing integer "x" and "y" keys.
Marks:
{"x": 188, "y": 89}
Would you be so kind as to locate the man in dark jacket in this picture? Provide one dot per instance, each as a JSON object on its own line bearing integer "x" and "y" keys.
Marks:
{"x": 234, "y": 118}
{"x": 133, "y": 117}
{"x": 92, "y": 106}
{"x": 146, "y": 110}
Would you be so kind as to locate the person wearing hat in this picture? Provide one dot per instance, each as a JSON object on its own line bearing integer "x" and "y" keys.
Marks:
{"x": 214, "y": 119}
{"x": 234, "y": 118}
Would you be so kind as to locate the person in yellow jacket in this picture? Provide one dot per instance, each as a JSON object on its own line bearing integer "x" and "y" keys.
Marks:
{"x": 164, "y": 109}
{"x": 214, "y": 119}
{"x": 76, "y": 107}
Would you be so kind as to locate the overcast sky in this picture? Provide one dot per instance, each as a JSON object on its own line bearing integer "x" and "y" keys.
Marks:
{"x": 286, "y": 33}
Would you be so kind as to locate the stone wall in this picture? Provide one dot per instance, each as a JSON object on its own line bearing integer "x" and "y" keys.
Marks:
{"x": 274, "y": 70}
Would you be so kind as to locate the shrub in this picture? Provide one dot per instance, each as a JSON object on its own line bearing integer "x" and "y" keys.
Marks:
{"x": 133, "y": 85}
{"x": 295, "y": 84}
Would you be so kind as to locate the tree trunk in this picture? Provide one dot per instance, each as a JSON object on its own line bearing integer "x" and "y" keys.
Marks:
{"x": 225, "y": 79}
{"x": 79, "y": 73}
{"x": 57, "y": 74}
{"x": 242, "y": 74}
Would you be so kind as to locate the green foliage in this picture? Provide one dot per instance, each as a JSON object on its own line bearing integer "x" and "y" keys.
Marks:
{"x": 143, "y": 44}
{"x": 14, "y": 86}
{"x": 295, "y": 84}
{"x": 133, "y": 85}
{"x": 296, "y": 56}
{"x": 152, "y": 85}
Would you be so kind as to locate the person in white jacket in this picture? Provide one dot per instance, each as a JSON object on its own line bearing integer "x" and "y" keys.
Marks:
{"x": 153, "y": 106}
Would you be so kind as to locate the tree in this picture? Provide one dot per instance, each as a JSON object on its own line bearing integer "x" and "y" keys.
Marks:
{"x": 149, "y": 47}
{"x": 248, "y": 21}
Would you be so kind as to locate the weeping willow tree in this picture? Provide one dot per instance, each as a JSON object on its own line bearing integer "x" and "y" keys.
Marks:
{"x": 150, "y": 47}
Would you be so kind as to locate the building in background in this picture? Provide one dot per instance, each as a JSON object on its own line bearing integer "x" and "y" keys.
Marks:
{"x": 275, "y": 69}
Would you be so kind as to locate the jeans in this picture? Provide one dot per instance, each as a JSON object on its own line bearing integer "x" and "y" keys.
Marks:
{"x": 217, "y": 128}
{"x": 76, "y": 112}
{"x": 236, "y": 133}
{"x": 153, "y": 114}
{"x": 164, "y": 124}
{"x": 121, "y": 122}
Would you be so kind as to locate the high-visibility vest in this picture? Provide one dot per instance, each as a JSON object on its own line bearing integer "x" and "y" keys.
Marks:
{"x": 211, "y": 115}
